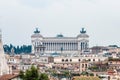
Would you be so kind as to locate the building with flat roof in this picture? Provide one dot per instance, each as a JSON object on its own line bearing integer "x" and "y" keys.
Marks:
{"x": 60, "y": 43}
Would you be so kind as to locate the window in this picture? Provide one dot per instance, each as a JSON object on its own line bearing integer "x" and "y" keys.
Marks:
{"x": 23, "y": 68}
{"x": 45, "y": 60}
{"x": 93, "y": 59}
{"x": 98, "y": 59}
{"x": 89, "y": 59}
{"x": 110, "y": 62}
{"x": 82, "y": 65}
{"x": 66, "y": 60}
{"x": 70, "y": 60}
{"x": 62, "y": 60}
{"x": 85, "y": 65}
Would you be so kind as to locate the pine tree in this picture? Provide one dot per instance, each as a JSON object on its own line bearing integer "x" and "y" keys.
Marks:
{"x": 33, "y": 74}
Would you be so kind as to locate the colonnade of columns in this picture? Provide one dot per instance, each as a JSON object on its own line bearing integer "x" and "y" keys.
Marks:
{"x": 65, "y": 46}
{"x": 56, "y": 46}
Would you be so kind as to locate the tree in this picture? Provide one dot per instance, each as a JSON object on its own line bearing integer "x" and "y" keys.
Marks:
{"x": 17, "y": 49}
{"x": 84, "y": 73}
{"x": 21, "y": 74}
{"x": 43, "y": 76}
{"x": 91, "y": 74}
{"x": 33, "y": 74}
{"x": 66, "y": 73}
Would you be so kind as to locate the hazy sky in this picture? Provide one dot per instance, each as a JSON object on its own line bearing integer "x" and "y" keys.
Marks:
{"x": 101, "y": 18}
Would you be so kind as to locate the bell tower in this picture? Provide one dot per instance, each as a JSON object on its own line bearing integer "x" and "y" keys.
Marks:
{"x": 4, "y": 69}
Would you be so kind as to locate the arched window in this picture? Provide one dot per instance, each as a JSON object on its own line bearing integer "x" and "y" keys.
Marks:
{"x": 85, "y": 65}
{"x": 89, "y": 59}
{"x": 82, "y": 65}
{"x": 62, "y": 60}
{"x": 66, "y": 60}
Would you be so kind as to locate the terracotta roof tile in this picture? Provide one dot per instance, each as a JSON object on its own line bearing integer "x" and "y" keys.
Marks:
{"x": 8, "y": 76}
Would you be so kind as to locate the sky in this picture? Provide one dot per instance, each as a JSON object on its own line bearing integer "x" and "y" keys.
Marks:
{"x": 101, "y": 19}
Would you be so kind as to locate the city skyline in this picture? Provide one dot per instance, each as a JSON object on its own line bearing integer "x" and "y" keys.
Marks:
{"x": 19, "y": 18}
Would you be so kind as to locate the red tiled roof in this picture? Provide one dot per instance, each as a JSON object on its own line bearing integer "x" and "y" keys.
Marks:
{"x": 8, "y": 76}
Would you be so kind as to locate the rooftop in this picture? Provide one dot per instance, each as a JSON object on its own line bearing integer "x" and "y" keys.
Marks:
{"x": 86, "y": 78}
{"x": 8, "y": 76}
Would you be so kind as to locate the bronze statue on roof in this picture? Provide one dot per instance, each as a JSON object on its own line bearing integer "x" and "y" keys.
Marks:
{"x": 83, "y": 31}
{"x": 36, "y": 31}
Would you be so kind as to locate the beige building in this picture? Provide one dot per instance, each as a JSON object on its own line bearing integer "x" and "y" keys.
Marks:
{"x": 84, "y": 65}
{"x": 114, "y": 63}
{"x": 80, "y": 63}
{"x": 87, "y": 57}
